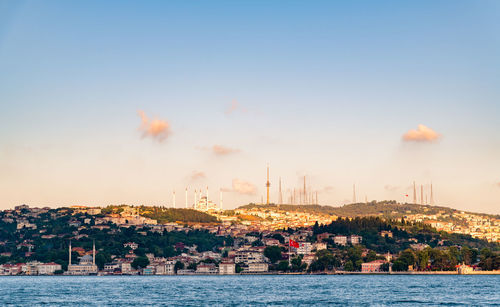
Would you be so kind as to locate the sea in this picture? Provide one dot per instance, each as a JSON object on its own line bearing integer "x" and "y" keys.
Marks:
{"x": 251, "y": 290}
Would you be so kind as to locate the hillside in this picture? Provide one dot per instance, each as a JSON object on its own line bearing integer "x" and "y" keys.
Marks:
{"x": 387, "y": 209}
{"x": 166, "y": 215}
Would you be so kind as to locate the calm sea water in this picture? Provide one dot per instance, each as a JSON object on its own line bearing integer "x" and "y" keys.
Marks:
{"x": 249, "y": 290}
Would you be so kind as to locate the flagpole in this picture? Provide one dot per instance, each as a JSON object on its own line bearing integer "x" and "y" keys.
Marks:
{"x": 289, "y": 238}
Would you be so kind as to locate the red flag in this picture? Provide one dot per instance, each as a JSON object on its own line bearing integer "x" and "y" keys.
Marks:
{"x": 293, "y": 243}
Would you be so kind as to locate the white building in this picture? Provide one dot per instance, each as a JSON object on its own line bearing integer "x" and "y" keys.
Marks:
{"x": 340, "y": 240}
{"x": 131, "y": 245}
{"x": 227, "y": 268}
{"x": 319, "y": 246}
{"x": 48, "y": 268}
{"x": 257, "y": 267}
{"x": 304, "y": 248}
{"x": 248, "y": 256}
{"x": 206, "y": 269}
{"x": 354, "y": 239}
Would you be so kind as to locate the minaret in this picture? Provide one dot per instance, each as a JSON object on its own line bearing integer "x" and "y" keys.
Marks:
{"x": 69, "y": 261}
{"x": 93, "y": 253}
{"x": 195, "y": 198}
{"x": 421, "y": 194}
{"x": 354, "y": 193}
{"x": 414, "y": 193}
{"x": 281, "y": 195}
{"x": 186, "y": 197}
{"x": 173, "y": 198}
{"x": 206, "y": 201}
{"x": 268, "y": 184}
{"x": 432, "y": 197}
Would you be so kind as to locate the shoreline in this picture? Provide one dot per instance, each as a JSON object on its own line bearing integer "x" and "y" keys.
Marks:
{"x": 447, "y": 273}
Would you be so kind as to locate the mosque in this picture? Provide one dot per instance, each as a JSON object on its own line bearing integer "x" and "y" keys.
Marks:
{"x": 86, "y": 266}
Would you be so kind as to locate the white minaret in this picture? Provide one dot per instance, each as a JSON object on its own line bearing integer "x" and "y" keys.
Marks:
{"x": 186, "y": 198}
{"x": 93, "y": 253}
{"x": 220, "y": 203}
{"x": 69, "y": 261}
{"x": 195, "y": 198}
{"x": 206, "y": 201}
{"x": 173, "y": 199}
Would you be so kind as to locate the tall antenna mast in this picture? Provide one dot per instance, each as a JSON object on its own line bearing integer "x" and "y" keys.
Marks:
{"x": 414, "y": 193}
{"x": 421, "y": 194}
{"x": 268, "y": 184}
{"x": 173, "y": 198}
{"x": 186, "y": 197}
{"x": 354, "y": 193}
{"x": 281, "y": 194}
{"x": 220, "y": 192}
{"x": 305, "y": 194}
{"x": 432, "y": 196}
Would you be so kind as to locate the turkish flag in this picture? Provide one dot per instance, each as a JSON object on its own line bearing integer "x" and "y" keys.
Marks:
{"x": 293, "y": 243}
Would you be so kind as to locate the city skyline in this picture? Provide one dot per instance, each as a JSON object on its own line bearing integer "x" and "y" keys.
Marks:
{"x": 114, "y": 103}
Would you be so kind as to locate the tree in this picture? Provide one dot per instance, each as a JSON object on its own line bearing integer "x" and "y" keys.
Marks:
{"x": 239, "y": 267}
{"x": 140, "y": 262}
{"x": 283, "y": 266}
{"x": 297, "y": 265}
{"x": 348, "y": 266}
{"x": 371, "y": 256}
{"x": 399, "y": 266}
{"x": 178, "y": 266}
{"x": 325, "y": 261}
{"x": 273, "y": 253}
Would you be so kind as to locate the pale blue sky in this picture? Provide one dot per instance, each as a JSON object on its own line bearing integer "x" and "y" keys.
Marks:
{"x": 324, "y": 89}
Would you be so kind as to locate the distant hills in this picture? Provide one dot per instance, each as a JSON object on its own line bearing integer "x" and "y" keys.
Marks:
{"x": 387, "y": 209}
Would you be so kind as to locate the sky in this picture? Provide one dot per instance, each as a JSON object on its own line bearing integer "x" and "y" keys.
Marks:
{"x": 111, "y": 102}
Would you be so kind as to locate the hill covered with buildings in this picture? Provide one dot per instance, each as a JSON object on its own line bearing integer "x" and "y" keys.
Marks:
{"x": 477, "y": 225}
{"x": 144, "y": 240}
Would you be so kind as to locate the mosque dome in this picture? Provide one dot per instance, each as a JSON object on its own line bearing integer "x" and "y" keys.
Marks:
{"x": 87, "y": 259}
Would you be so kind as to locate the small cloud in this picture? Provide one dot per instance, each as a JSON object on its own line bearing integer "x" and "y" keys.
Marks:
{"x": 222, "y": 150}
{"x": 242, "y": 187}
{"x": 157, "y": 129}
{"x": 197, "y": 176}
{"x": 390, "y": 188}
{"x": 422, "y": 134}
{"x": 327, "y": 189}
{"x": 235, "y": 106}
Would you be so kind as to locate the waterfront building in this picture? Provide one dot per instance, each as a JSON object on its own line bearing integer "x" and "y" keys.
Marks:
{"x": 372, "y": 266}
{"x": 257, "y": 267}
{"x": 86, "y": 266}
{"x": 227, "y": 268}
{"x": 48, "y": 268}
{"x": 207, "y": 268}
